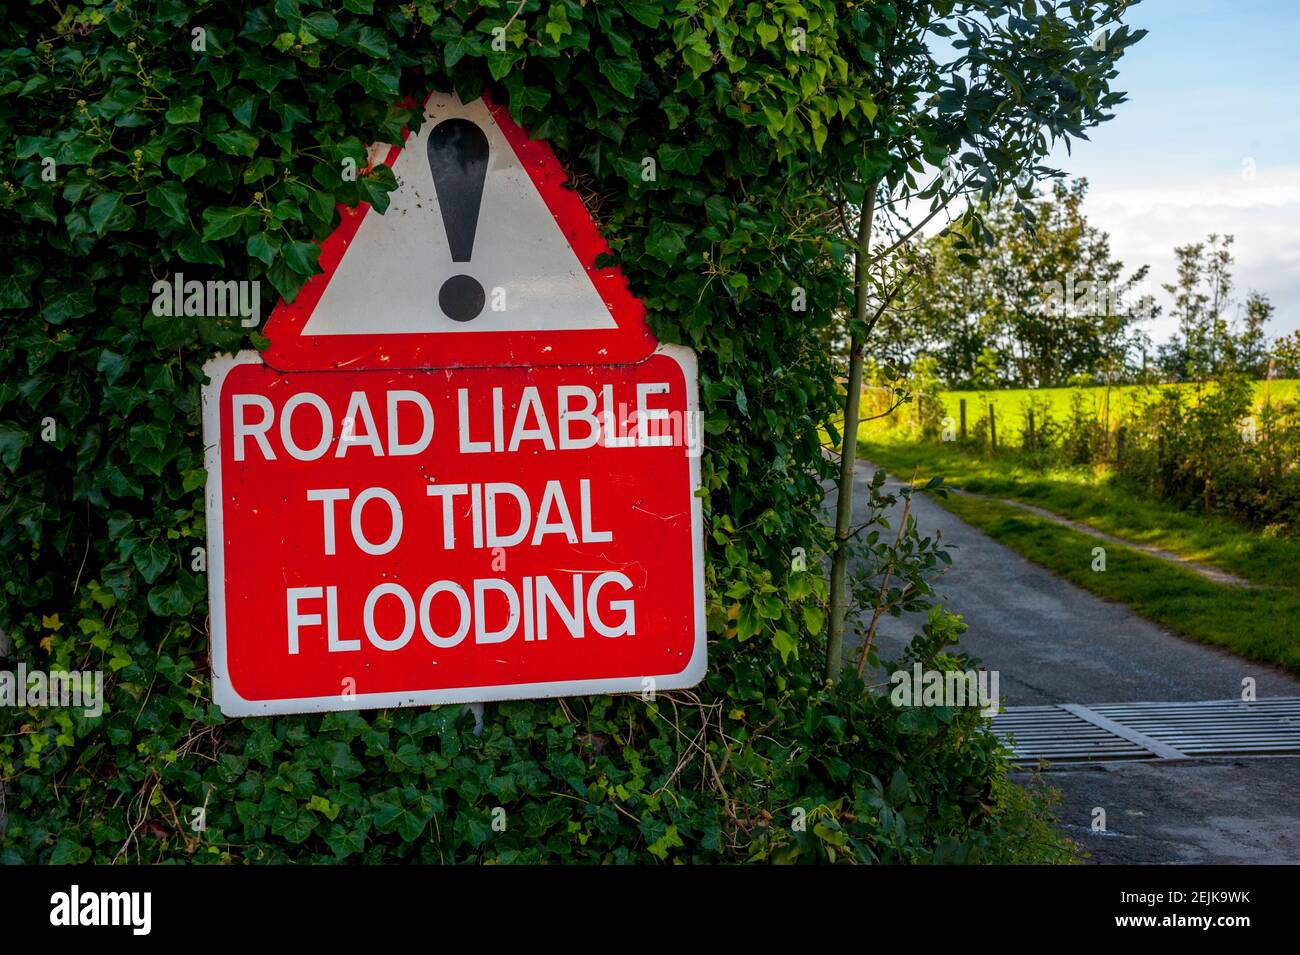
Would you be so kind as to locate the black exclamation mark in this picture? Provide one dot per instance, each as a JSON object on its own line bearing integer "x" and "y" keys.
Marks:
{"x": 458, "y": 158}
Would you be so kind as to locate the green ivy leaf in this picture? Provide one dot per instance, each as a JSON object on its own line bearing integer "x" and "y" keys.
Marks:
{"x": 264, "y": 246}
{"x": 220, "y": 223}
{"x": 664, "y": 243}
{"x": 785, "y": 645}
{"x": 170, "y": 600}
{"x": 293, "y": 825}
{"x": 188, "y": 109}
{"x": 622, "y": 74}
{"x": 748, "y": 623}
{"x": 170, "y": 198}
{"x": 67, "y": 852}
{"x": 102, "y": 210}
{"x": 12, "y": 441}
{"x": 669, "y": 840}
{"x": 65, "y": 300}
{"x": 455, "y": 49}
{"x": 378, "y": 80}
{"x": 15, "y": 287}
{"x": 371, "y": 42}
{"x": 186, "y": 165}
{"x": 151, "y": 560}
{"x": 302, "y": 257}
{"x": 236, "y": 142}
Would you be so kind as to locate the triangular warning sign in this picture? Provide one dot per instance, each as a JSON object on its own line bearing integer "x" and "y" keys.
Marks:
{"x": 483, "y": 258}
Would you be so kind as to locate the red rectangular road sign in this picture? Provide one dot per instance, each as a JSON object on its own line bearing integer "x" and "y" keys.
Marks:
{"x": 390, "y": 538}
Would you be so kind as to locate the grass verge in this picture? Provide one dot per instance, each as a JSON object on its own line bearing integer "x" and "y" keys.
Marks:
{"x": 1261, "y": 624}
{"x": 1100, "y": 502}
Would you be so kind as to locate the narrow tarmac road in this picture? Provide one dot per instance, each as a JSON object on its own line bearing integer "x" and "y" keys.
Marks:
{"x": 1053, "y": 642}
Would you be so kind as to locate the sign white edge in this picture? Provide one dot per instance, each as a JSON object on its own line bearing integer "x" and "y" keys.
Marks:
{"x": 233, "y": 705}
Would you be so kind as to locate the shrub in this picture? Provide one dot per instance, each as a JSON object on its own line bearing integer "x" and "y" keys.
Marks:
{"x": 1083, "y": 438}
{"x": 1215, "y": 451}
{"x": 226, "y": 161}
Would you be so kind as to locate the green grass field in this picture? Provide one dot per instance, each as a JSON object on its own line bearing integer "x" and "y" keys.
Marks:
{"x": 1098, "y": 500}
{"x": 1010, "y": 405}
{"x": 1261, "y": 624}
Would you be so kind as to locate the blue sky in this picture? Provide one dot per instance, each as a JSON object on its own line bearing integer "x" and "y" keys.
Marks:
{"x": 1209, "y": 141}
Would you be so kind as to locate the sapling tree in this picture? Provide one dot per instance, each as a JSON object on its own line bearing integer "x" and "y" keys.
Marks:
{"x": 970, "y": 97}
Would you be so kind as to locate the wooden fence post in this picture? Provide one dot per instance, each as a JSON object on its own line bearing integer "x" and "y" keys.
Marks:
{"x": 963, "y": 419}
{"x": 1105, "y": 428}
{"x": 993, "y": 429}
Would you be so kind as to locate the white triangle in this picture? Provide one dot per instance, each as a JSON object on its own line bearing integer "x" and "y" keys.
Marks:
{"x": 389, "y": 278}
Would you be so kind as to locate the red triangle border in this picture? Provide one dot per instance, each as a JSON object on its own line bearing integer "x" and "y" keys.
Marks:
{"x": 631, "y": 341}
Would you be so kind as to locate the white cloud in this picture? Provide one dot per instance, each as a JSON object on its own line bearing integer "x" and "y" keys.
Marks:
{"x": 1147, "y": 214}
{"x": 1262, "y": 214}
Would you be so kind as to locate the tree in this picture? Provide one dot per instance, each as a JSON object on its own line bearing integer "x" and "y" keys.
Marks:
{"x": 1286, "y": 356}
{"x": 1200, "y": 296}
{"x": 972, "y": 119}
{"x": 1209, "y": 340}
{"x": 1251, "y": 345}
{"x": 1044, "y": 297}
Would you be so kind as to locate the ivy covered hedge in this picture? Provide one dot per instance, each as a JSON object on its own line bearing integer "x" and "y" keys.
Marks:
{"x": 147, "y": 138}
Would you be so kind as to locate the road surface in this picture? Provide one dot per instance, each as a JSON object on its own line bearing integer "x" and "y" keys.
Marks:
{"x": 1053, "y": 642}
